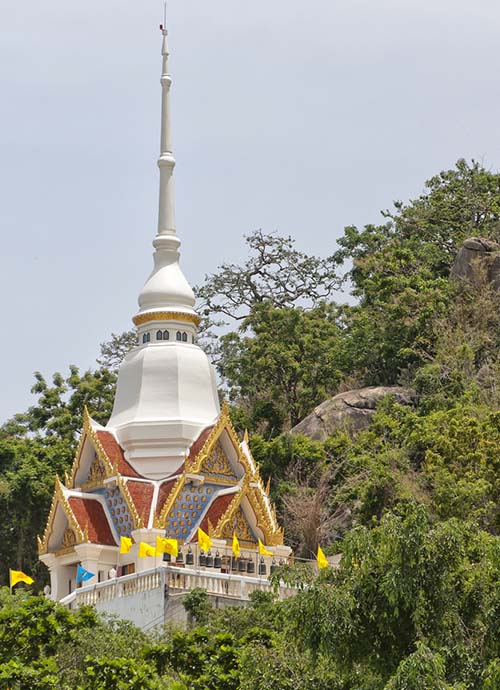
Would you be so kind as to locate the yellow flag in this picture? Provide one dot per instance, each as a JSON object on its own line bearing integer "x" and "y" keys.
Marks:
{"x": 125, "y": 544}
{"x": 204, "y": 541}
{"x": 263, "y": 551}
{"x": 236, "y": 546}
{"x": 18, "y": 576}
{"x": 146, "y": 550}
{"x": 164, "y": 545}
{"x": 321, "y": 558}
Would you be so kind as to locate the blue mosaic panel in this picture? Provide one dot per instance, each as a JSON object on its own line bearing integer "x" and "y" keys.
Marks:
{"x": 117, "y": 510}
{"x": 187, "y": 510}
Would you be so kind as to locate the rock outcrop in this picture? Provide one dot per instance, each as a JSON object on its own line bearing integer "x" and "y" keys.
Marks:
{"x": 478, "y": 253}
{"x": 351, "y": 411}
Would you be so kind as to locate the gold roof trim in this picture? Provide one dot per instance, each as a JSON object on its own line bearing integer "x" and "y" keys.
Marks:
{"x": 60, "y": 498}
{"x": 87, "y": 430}
{"x": 223, "y": 424}
{"x": 136, "y": 519}
{"x": 160, "y": 520}
{"x": 166, "y": 316}
{"x": 266, "y": 515}
{"x": 226, "y": 518}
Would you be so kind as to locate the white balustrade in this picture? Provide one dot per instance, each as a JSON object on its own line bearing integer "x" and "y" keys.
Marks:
{"x": 175, "y": 580}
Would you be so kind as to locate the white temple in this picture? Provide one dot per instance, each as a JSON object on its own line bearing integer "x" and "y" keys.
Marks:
{"x": 169, "y": 460}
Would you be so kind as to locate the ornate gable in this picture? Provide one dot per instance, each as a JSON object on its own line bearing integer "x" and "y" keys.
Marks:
{"x": 239, "y": 526}
{"x": 214, "y": 456}
{"x": 61, "y": 512}
{"x": 91, "y": 465}
{"x": 216, "y": 466}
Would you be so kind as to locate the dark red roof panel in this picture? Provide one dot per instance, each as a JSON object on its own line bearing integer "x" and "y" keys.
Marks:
{"x": 199, "y": 443}
{"x": 217, "y": 509}
{"x": 142, "y": 496}
{"x": 163, "y": 494}
{"x": 90, "y": 515}
{"x": 115, "y": 454}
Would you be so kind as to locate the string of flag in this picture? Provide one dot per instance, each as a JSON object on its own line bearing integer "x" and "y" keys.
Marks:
{"x": 163, "y": 545}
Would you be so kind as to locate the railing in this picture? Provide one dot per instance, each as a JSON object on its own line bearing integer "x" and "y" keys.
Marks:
{"x": 175, "y": 580}
{"x": 220, "y": 584}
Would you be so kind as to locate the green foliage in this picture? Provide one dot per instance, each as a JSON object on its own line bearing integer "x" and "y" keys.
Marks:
{"x": 412, "y": 501}
{"x": 39, "y": 675}
{"x": 34, "y": 447}
{"x": 33, "y": 627}
{"x": 118, "y": 674}
{"x": 202, "y": 661}
{"x": 114, "y": 350}
{"x": 400, "y": 270}
{"x": 419, "y": 671}
{"x": 281, "y": 363}
{"x": 197, "y": 604}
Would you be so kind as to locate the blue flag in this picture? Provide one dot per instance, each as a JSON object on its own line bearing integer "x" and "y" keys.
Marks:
{"x": 83, "y": 575}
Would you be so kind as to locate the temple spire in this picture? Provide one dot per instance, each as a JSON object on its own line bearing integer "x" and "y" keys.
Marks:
{"x": 166, "y": 290}
{"x": 166, "y": 162}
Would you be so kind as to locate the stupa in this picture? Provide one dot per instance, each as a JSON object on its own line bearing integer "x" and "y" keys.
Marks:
{"x": 169, "y": 460}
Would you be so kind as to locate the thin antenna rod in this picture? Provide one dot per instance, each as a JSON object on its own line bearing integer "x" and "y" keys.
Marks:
{"x": 163, "y": 27}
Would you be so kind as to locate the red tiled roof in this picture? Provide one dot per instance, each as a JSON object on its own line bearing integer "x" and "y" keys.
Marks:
{"x": 142, "y": 496}
{"x": 90, "y": 515}
{"x": 163, "y": 494}
{"x": 199, "y": 443}
{"x": 115, "y": 454}
{"x": 217, "y": 509}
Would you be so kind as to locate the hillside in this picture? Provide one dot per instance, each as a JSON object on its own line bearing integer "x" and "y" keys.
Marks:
{"x": 409, "y": 495}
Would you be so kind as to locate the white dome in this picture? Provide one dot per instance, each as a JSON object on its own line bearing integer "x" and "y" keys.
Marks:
{"x": 166, "y": 395}
{"x": 166, "y": 289}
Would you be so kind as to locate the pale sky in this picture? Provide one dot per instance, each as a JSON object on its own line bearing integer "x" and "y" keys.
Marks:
{"x": 295, "y": 117}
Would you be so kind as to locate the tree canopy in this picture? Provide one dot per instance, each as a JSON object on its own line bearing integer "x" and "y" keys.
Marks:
{"x": 411, "y": 502}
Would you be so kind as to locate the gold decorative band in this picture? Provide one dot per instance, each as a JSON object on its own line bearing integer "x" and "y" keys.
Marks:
{"x": 166, "y": 316}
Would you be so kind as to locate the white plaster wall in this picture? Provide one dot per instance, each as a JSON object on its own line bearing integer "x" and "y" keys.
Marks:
{"x": 144, "y": 609}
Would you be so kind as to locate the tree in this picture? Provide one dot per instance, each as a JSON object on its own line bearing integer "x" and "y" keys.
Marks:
{"x": 399, "y": 271}
{"x": 413, "y": 602}
{"x": 34, "y": 447}
{"x": 281, "y": 363}
{"x": 275, "y": 272}
{"x": 114, "y": 350}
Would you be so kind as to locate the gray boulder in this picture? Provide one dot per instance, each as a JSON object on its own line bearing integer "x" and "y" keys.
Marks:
{"x": 478, "y": 252}
{"x": 351, "y": 411}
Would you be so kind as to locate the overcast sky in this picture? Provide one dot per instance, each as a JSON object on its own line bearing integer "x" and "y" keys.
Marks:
{"x": 293, "y": 116}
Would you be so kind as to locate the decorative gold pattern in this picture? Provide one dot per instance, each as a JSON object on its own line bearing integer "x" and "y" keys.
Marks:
{"x": 69, "y": 538}
{"x": 223, "y": 424}
{"x": 228, "y": 516}
{"x": 216, "y": 464}
{"x": 166, "y": 316}
{"x": 97, "y": 474}
{"x": 268, "y": 487}
{"x": 87, "y": 430}
{"x": 252, "y": 486}
{"x": 60, "y": 498}
{"x": 136, "y": 520}
{"x": 240, "y": 526}
{"x": 160, "y": 520}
